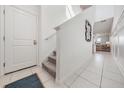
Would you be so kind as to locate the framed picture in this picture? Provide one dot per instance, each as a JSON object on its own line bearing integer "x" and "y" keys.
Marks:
{"x": 88, "y": 29}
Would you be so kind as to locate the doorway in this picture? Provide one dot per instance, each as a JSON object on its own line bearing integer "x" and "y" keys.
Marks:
{"x": 20, "y": 39}
{"x": 102, "y": 33}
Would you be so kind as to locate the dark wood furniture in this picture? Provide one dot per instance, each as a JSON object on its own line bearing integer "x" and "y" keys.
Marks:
{"x": 103, "y": 47}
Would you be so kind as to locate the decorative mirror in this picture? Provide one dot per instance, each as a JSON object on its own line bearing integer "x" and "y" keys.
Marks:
{"x": 88, "y": 29}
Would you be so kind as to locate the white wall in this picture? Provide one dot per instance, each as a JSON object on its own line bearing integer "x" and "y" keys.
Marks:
{"x": 104, "y": 12}
{"x": 117, "y": 13}
{"x": 73, "y": 51}
{"x": 51, "y": 15}
{"x": 117, "y": 37}
{"x": 74, "y": 10}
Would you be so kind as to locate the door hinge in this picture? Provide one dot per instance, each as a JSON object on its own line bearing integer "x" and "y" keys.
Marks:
{"x": 4, "y": 64}
{"x": 4, "y": 38}
{"x": 4, "y": 11}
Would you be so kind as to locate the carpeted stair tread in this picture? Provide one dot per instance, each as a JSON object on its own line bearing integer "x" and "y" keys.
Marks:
{"x": 50, "y": 68}
{"x": 52, "y": 59}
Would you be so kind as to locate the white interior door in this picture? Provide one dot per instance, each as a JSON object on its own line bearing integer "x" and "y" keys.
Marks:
{"x": 20, "y": 34}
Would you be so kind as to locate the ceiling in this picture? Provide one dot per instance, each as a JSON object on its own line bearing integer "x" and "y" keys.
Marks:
{"x": 83, "y": 7}
{"x": 103, "y": 26}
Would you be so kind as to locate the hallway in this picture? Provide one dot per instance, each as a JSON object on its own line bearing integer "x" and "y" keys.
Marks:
{"x": 101, "y": 72}
{"x": 59, "y": 49}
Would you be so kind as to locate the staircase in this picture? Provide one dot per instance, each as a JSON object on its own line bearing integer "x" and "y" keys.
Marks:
{"x": 50, "y": 64}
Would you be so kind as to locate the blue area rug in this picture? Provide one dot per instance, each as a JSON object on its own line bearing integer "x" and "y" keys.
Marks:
{"x": 31, "y": 81}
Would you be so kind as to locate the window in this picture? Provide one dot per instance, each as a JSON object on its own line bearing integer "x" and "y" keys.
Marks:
{"x": 98, "y": 40}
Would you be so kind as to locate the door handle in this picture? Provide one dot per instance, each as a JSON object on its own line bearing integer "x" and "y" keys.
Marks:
{"x": 35, "y": 42}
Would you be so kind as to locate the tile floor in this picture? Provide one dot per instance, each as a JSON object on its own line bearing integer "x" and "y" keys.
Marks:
{"x": 101, "y": 72}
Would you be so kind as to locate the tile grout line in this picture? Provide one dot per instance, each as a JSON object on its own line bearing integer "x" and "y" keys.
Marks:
{"x": 78, "y": 75}
{"x": 73, "y": 81}
{"x": 101, "y": 75}
{"x": 89, "y": 81}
